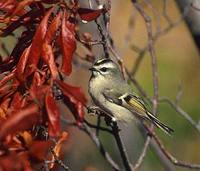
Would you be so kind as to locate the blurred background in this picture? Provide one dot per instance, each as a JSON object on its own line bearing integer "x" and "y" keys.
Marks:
{"x": 178, "y": 64}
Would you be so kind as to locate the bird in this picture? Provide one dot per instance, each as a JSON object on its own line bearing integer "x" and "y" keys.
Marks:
{"x": 112, "y": 94}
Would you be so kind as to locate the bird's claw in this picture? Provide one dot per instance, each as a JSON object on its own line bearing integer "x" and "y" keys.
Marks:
{"x": 93, "y": 110}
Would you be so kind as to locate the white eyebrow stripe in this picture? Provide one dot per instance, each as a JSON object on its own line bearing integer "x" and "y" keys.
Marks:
{"x": 102, "y": 61}
{"x": 107, "y": 65}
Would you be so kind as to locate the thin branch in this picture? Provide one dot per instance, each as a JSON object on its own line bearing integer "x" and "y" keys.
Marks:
{"x": 85, "y": 127}
{"x": 152, "y": 54}
{"x": 60, "y": 162}
{"x": 172, "y": 158}
{"x": 156, "y": 36}
{"x": 179, "y": 94}
{"x": 97, "y": 127}
{"x": 121, "y": 147}
{"x": 148, "y": 23}
{"x": 165, "y": 14}
{"x": 178, "y": 109}
{"x": 142, "y": 155}
{"x": 99, "y": 145}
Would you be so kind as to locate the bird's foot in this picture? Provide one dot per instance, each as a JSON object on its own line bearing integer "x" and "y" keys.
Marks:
{"x": 111, "y": 121}
{"x": 93, "y": 110}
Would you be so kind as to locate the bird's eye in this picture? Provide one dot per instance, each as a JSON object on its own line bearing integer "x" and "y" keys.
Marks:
{"x": 104, "y": 69}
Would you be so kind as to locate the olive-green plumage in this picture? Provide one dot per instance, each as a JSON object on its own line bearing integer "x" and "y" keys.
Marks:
{"x": 112, "y": 93}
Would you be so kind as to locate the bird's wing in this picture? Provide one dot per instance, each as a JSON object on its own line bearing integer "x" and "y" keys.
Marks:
{"x": 130, "y": 101}
{"x": 112, "y": 96}
{"x": 134, "y": 103}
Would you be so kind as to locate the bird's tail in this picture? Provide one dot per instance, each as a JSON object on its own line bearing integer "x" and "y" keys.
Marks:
{"x": 159, "y": 124}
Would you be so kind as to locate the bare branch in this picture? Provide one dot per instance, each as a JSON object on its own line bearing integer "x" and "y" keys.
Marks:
{"x": 59, "y": 161}
{"x": 179, "y": 110}
{"x": 172, "y": 158}
{"x": 156, "y": 36}
{"x": 86, "y": 128}
{"x": 121, "y": 147}
{"x": 99, "y": 145}
{"x": 148, "y": 23}
{"x": 142, "y": 155}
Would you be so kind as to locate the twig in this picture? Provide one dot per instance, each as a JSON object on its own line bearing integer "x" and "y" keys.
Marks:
{"x": 97, "y": 127}
{"x": 121, "y": 147}
{"x": 156, "y": 36}
{"x": 179, "y": 94}
{"x": 172, "y": 158}
{"x": 128, "y": 36}
{"x": 99, "y": 145}
{"x": 86, "y": 128}
{"x": 142, "y": 155}
{"x": 152, "y": 53}
{"x": 156, "y": 15}
{"x": 165, "y": 12}
{"x": 103, "y": 38}
{"x": 148, "y": 23}
{"x": 60, "y": 162}
{"x": 178, "y": 109}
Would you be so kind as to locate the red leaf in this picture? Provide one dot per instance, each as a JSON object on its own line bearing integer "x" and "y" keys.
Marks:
{"x": 53, "y": 28}
{"x": 20, "y": 6}
{"x": 47, "y": 50}
{"x": 39, "y": 150}
{"x": 22, "y": 64}
{"x": 4, "y": 107}
{"x": 53, "y": 115}
{"x": 38, "y": 79}
{"x": 38, "y": 89}
{"x": 4, "y": 89}
{"x": 68, "y": 44}
{"x": 7, "y": 4}
{"x": 75, "y": 93}
{"x": 36, "y": 46}
{"x": 15, "y": 162}
{"x": 16, "y": 103}
{"x": 89, "y": 14}
{"x": 48, "y": 56}
{"x": 24, "y": 19}
{"x": 76, "y": 96}
{"x": 38, "y": 93}
{"x": 19, "y": 121}
{"x": 57, "y": 148}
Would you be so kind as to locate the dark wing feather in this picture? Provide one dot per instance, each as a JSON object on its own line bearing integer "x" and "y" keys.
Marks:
{"x": 112, "y": 96}
{"x": 138, "y": 106}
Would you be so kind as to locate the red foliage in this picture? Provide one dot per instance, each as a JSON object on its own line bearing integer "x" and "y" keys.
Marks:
{"x": 89, "y": 14}
{"x": 39, "y": 150}
{"x": 76, "y": 97}
{"x": 28, "y": 98}
{"x": 19, "y": 121}
{"x": 53, "y": 115}
{"x": 36, "y": 46}
{"x": 68, "y": 44}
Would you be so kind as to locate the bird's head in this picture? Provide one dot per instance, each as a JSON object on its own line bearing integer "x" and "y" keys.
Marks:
{"x": 106, "y": 68}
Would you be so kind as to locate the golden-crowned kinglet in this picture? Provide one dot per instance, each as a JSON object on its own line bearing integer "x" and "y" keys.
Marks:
{"x": 112, "y": 94}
